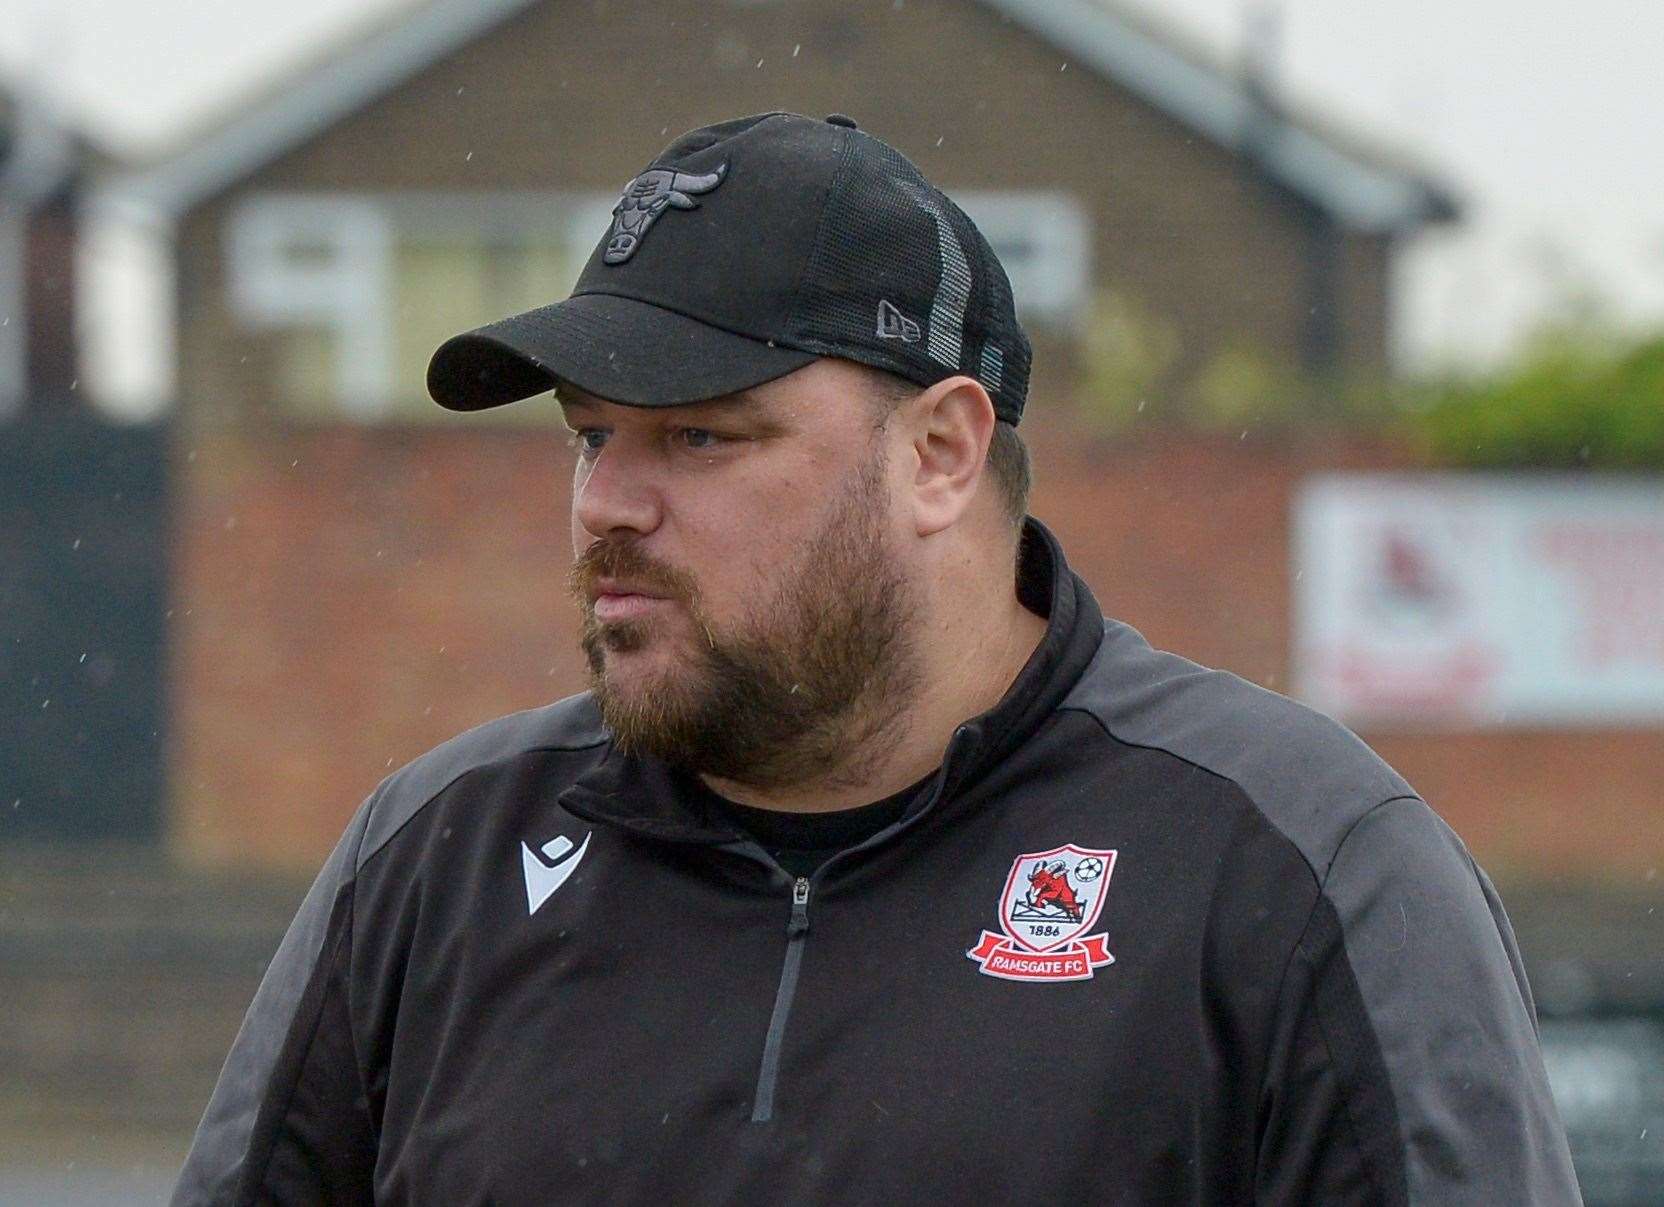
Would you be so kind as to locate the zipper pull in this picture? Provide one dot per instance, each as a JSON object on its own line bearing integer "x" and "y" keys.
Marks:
{"x": 800, "y": 907}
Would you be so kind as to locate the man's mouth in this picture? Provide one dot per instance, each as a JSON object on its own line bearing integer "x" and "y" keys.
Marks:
{"x": 615, "y": 601}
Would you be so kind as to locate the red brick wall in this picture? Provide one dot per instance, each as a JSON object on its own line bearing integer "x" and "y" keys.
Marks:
{"x": 347, "y": 598}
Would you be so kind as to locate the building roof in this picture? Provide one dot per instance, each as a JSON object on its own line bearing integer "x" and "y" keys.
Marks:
{"x": 1359, "y": 187}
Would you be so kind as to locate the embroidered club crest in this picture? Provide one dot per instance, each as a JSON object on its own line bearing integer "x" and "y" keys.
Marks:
{"x": 1051, "y": 899}
{"x": 648, "y": 196}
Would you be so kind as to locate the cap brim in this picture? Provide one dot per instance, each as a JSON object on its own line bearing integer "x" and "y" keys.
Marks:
{"x": 616, "y": 348}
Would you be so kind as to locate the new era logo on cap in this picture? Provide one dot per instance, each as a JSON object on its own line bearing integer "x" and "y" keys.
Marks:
{"x": 893, "y": 324}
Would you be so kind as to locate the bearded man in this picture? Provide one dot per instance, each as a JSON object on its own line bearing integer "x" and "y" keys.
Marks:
{"x": 755, "y": 919}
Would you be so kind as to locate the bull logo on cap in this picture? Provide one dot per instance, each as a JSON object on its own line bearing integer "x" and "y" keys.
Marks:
{"x": 648, "y": 196}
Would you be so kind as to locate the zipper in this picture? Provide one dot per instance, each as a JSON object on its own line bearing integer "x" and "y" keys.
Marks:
{"x": 797, "y": 929}
{"x": 768, "y": 1076}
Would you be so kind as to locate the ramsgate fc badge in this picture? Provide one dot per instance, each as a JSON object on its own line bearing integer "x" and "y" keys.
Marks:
{"x": 1051, "y": 899}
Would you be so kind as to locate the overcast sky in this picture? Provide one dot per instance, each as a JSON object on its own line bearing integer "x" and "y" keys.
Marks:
{"x": 1546, "y": 120}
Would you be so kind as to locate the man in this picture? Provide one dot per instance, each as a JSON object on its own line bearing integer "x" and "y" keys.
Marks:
{"x": 877, "y": 866}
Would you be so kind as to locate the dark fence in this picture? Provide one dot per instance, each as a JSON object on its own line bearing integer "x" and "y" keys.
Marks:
{"x": 83, "y": 599}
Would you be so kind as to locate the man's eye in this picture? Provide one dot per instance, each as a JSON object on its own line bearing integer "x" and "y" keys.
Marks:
{"x": 588, "y": 441}
{"x": 698, "y": 437}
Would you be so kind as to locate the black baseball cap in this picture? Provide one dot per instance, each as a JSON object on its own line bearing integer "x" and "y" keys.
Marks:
{"x": 746, "y": 250}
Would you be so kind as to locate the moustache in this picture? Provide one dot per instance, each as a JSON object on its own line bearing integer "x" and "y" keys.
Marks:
{"x": 624, "y": 560}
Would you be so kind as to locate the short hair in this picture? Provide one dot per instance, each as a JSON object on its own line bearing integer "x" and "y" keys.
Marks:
{"x": 1008, "y": 458}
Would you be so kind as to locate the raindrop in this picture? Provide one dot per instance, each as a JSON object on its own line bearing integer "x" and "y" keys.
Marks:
{"x": 74, "y": 383}
{"x": 46, "y": 701}
{"x": 294, "y": 463}
{"x": 796, "y": 48}
{"x": 759, "y": 62}
{"x": 1244, "y": 435}
{"x": 459, "y": 90}
{"x": 1298, "y": 575}
{"x": 441, "y": 649}
{"x": 17, "y": 802}
{"x": 663, "y": 130}
{"x": 1065, "y": 67}
{"x": 1142, "y": 403}
{"x": 76, "y": 544}
{"x": 467, "y": 157}
{"x": 939, "y": 138}
{"x": 230, "y": 522}
{"x": 83, "y": 658}
{"x": 191, "y": 456}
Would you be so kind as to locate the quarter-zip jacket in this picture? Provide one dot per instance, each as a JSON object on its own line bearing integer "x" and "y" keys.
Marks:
{"x": 1151, "y": 935}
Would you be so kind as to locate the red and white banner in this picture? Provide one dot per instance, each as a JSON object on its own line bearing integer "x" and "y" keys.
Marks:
{"x": 1000, "y": 957}
{"x": 1479, "y": 599}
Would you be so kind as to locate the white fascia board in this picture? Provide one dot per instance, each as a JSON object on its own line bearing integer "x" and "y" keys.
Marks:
{"x": 1362, "y": 196}
{"x": 328, "y": 94}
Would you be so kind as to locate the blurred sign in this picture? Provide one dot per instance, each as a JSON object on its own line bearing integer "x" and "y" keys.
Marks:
{"x": 1472, "y": 599}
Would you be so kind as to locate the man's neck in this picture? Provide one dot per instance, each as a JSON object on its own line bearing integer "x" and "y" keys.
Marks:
{"x": 965, "y": 666}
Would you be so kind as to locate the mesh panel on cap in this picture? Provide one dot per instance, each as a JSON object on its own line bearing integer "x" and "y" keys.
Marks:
{"x": 889, "y": 240}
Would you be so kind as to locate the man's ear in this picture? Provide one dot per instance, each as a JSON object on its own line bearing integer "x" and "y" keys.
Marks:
{"x": 951, "y": 424}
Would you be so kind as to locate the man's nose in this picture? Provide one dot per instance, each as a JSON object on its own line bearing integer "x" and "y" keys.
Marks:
{"x": 615, "y": 494}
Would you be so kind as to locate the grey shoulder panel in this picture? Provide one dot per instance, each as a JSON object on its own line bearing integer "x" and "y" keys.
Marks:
{"x": 1425, "y": 940}
{"x": 1311, "y": 777}
{"x": 1436, "y": 966}
{"x": 570, "y": 724}
{"x": 252, "y": 1074}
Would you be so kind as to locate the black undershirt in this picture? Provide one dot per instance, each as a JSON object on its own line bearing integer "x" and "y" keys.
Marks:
{"x": 801, "y": 842}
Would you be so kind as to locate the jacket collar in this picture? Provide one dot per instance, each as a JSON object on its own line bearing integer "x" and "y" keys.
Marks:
{"x": 657, "y": 801}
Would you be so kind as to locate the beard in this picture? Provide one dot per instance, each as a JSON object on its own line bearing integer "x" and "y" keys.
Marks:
{"x": 809, "y": 680}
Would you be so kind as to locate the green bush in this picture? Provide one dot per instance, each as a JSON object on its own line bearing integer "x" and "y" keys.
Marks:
{"x": 1572, "y": 399}
{"x": 1577, "y": 395}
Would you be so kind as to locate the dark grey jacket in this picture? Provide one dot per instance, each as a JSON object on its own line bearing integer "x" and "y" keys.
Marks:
{"x": 1151, "y": 935}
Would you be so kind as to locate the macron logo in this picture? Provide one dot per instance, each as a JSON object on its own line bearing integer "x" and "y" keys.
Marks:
{"x": 547, "y": 872}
